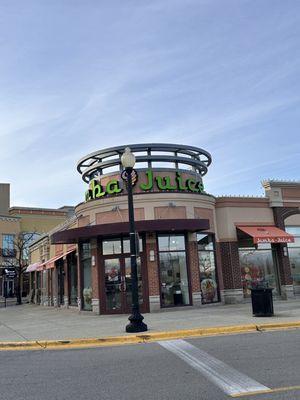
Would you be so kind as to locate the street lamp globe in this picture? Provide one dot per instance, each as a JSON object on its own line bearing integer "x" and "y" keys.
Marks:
{"x": 128, "y": 159}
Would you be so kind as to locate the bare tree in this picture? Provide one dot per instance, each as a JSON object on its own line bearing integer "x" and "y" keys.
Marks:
{"x": 20, "y": 261}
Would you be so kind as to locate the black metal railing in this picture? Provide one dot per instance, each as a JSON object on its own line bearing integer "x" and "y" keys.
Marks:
{"x": 149, "y": 155}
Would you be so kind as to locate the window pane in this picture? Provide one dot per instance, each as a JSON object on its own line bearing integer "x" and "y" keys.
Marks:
{"x": 171, "y": 242}
{"x": 112, "y": 246}
{"x": 205, "y": 241}
{"x": 174, "y": 279}
{"x": 257, "y": 269}
{"x": 293, "y": 230}
{"x": 85, "y": 250}
{"x": 87, "y": 285}
{"x": 113, "y": 284}
{"x": 126, "y": 245}
{"x": 8, "y": 245}
{"x": 294, "y": 255}
{"x": 208, "y": 280}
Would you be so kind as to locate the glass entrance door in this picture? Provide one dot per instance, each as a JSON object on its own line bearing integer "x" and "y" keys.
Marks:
{"x": 173, "y": 271}
{"x": 118, "y": 284}
{"x": 114, "y": 285}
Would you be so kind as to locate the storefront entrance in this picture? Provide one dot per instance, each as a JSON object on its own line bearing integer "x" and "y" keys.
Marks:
{"x": 173, "y": 271}
{"x": 116, "y": 296}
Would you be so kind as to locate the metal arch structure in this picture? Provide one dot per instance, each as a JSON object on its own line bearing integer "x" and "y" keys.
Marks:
{"x": 97, "y": 162}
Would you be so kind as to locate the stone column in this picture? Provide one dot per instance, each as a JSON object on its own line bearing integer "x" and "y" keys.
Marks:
{"x": 153, "y": 272}
{"x": 192, "y": 257}
{"x": 233, "y": 291}
{"x": 95, "y": 276}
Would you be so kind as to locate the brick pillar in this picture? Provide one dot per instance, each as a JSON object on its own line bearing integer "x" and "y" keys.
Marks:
{"x": 233, "y": 292}
{"x": 153, "y": 272}
{"x": 192, "y": 256}
{"x": 284, "y": 268}
{"x": 218, "y": 264}
{"x": 95, "y": 277}
{"x": 66, "y": 283}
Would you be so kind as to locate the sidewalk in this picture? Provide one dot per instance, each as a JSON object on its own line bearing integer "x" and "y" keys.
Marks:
{"x": 29, "y": 322}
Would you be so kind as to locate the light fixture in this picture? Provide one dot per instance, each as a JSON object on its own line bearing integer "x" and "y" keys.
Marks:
{"x": 128, "y": 159}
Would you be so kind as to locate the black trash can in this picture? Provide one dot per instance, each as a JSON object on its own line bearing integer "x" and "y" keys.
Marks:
{"x": 262, "y": 302}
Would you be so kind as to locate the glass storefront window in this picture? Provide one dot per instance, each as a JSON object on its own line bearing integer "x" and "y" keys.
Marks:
{"x": 126, "y": 245}
{"x": 207, "y": 266}
{"x": 173, "y": 271}
{"x": 171, "y": 242}
{"x": 85, "y": 250}
{"x": 258, "y": 269}
{"x": 8, "y": 247}
{"x": 111, "y": 246}
{"x": 294, "y": 256}
{"x": 87, "y": 276}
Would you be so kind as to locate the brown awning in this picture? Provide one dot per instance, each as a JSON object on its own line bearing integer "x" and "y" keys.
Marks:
{"x": 160, "y": 225}
{"x": 267, "y": 234}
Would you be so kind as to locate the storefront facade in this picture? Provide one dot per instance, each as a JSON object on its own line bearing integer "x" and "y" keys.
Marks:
{"x": 194, "y": 249}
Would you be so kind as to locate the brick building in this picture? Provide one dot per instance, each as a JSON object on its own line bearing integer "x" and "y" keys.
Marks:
{"x": 194, "y": 248}
{"x": 28, "y": 221}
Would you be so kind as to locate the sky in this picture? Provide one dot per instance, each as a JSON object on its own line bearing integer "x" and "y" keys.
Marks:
{"x": 79, "y": 76}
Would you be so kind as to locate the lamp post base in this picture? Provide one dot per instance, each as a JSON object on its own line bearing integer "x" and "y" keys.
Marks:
{"x": 136, "y": 324}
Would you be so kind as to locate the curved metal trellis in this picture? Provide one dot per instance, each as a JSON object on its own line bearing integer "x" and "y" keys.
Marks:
{"x": 98, "y": 162}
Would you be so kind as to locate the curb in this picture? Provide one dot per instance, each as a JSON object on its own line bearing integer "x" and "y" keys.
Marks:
{"x": 144, "y": 338}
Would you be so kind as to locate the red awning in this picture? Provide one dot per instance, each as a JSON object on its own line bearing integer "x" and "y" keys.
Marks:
{"x": 51, "y": 262}
{"x": 267, "y": 234}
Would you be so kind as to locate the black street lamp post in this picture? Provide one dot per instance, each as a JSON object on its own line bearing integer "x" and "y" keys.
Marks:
{"x": 136, "y": 323}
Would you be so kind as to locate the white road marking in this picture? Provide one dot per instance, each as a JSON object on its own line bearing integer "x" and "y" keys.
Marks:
{"x": 228, "y": 379}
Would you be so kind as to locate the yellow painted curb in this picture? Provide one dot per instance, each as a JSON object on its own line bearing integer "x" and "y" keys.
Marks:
{"x": 145, "y": 337}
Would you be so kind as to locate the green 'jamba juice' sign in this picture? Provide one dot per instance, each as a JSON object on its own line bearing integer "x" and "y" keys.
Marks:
{"x": 114, "y": 186}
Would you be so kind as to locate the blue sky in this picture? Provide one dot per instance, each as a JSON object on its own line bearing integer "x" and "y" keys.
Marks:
{"x": 78, "y": 76}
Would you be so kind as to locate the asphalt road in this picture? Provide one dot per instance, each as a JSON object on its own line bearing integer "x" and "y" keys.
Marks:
{"x": 204, "y": 368}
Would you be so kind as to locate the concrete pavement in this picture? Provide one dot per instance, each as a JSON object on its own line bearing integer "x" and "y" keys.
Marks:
{"x": 151, "y": 372}
{"x": 37, "y": 323}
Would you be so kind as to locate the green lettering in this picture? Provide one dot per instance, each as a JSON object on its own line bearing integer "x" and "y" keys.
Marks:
{"x": 179, "y": 182}
{"x": 113, "y": 187}
{"x": 191, "y": 183}
{"x": 149, "y": 184}
{"x": 165, "y": 186}
{"x": 200, "y": 187}
{"x": 88, "y": 195}
{"x": 96, "y": 189}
